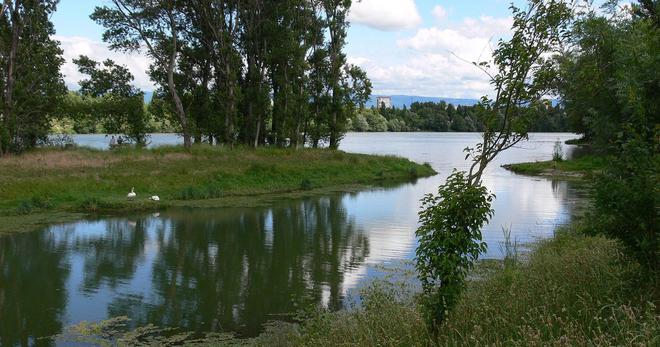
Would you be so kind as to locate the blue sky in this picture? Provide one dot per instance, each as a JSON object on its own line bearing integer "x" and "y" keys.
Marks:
{"x": 406, "y": 46}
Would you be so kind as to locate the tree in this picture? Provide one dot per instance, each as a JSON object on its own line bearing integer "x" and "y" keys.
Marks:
{"x": 111, "y": 98}
{"x": 336, "y": 12}
{"x": 134, "y": 25}
{"x": 450, "y": 237}
{"x": 614, "y": 63}
{"x": 30, "y": 79}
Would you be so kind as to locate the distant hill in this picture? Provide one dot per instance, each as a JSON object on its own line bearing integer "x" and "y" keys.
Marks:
{"x": 399, "y": 101}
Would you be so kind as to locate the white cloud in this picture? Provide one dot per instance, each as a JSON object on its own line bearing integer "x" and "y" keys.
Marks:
{"x": 387, "y": 15}
{"x": 486, "y": 26}
{"x": 437, "y": 60}
{"x": 439, "y": 12}
{"x": 74, "y": 46}
{"x": 429, "y": 74}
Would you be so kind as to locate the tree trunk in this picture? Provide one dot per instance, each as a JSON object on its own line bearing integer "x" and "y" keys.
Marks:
{"x": 8, "y": 109}
{"x": 180, "y": 111}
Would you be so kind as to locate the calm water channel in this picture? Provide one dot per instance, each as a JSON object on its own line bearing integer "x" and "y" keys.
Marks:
{"x": 233, "y": 269}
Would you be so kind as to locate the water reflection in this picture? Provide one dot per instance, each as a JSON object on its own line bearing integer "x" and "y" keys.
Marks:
{"x": 203, "y": 270}
{"x": 233, "y": 269}
{"x": 33, "y": 271}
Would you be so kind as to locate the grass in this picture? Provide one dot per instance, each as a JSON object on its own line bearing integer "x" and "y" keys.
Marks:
{"x": 575, "y": 168}
{"x": 46, "y": 181}
{"x": 573, "y": 290}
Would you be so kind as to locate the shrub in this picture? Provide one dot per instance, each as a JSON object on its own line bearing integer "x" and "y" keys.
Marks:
{"x": 558, "y": 152}
{"x": 92, "y": 204}
{"x": 625, "y": 201}
{"x": 24, "y": 207}
{"x": 450, "y": 241}
{"x": 306, "y": 184}
{"x": 199, "y": 193}
{"x": 42, "y": 202}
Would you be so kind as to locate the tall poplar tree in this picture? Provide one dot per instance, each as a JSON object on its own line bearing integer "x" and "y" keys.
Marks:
{"x": 30, "y": 79}
{"x": 154, "y": 26}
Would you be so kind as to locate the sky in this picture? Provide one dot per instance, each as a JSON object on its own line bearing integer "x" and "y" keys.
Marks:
{"x": 407, "y": 47}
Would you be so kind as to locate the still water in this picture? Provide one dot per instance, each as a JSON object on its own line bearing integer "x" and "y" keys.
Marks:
{"x": 233, "y": 269}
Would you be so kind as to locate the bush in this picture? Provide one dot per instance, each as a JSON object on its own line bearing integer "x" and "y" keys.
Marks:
{"x": 92, "y": 204}
{"x": 306, "y": 184}
{"x": 42, "y": 202}
{"x": 24, "y": 207}
{"x": 557, "y": 152}
{"x": 450, "y": 241}
{"x": 625, "y": 199}
{"x": 412, "y": 171}
{"x": 199, "y": 193}
{"x": 574, "y": 290}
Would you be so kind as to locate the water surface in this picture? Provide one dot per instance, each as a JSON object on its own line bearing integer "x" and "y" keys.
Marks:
{"x": 232, "y": 269}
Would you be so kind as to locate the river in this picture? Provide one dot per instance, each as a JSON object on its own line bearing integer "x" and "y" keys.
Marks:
{"x": 233, "y": 269}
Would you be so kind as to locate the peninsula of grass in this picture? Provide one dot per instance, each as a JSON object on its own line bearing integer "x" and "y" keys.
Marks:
{"x": 575, "y": 168}
{"x": 64, "y": 183}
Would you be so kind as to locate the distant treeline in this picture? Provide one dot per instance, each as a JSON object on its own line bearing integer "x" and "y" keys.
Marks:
{"x": 443, "y": 117}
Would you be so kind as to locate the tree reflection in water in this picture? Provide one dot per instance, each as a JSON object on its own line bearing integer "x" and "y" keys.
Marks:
{"x": 199, "y": 269}
{"x": 33, "y": 271}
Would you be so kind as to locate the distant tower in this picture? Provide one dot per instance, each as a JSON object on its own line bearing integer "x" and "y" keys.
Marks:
{"x": 384, "y": 101}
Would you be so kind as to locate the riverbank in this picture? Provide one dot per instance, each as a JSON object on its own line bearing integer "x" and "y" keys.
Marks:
{"x": 570, "y": 290}
{"x": 47, "y": 185}
{"x": 578, "y": 168}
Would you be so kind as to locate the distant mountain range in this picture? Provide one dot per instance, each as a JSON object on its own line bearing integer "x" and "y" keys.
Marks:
{"x": 399, "y": 101}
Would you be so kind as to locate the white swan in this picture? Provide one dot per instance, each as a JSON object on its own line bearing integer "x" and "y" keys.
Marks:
{"x": 131, "y": 195}
{"x": 154, "y": 198}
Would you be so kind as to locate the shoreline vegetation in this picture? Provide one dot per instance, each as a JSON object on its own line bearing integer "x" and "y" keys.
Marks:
{"x": 579, "y": 168}
{"x": 48, "y": 185}
{"x": 572, "y": 289}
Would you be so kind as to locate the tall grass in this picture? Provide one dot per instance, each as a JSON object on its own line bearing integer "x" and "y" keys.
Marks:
{"x": 573, "y": 291}
{"x": 583, "y": 166}
{"x": 86, "y": 179}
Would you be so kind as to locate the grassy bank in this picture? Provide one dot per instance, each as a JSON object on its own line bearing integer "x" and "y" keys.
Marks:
{"x": 58, "y": 183}
{"x": 572, "y": 290}
{"x": 574, "y": 168}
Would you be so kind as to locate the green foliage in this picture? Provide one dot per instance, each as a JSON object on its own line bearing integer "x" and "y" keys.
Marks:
{"x": 32, "y": 84}
{"x": 92, "y": 204}
{"x": 110, "y": 99}
{"x": 450, "y": 241}
{"x": 179, "y": 177}
{"x": 218, "y": 64}
{"x": 209, "y": 191}
{"x": 450, "y": 232}
{"x": 25, "y": 207}
{"x": 626, "y": 200}
{"x": 557, "y": 152}
{"x": 609, "y": 83}
{"x": 611, "y": 74}
{"x": 571, "y": 290}
{"x": 306, "y": 184}
{"x": 587, "y": 165}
